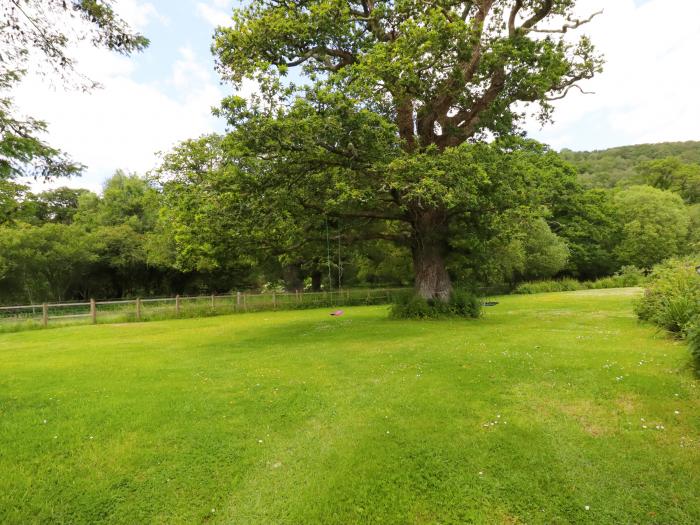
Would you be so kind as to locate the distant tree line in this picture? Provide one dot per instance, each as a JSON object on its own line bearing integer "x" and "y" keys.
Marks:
{"x": 145, "y": 236}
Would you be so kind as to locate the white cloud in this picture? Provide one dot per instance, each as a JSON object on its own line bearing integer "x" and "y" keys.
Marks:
{"x": 647, "y": 91}
{"x": 139, "y": 14}
{"x": 214, "y": 13}
{"x": 124, "y": 124}
{"x": 189, "y": 72}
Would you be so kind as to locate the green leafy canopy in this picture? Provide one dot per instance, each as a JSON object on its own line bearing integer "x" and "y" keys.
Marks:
{"x": 388, "y": 130}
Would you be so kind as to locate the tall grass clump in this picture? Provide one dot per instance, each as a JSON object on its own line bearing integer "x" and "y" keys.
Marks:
{"x": 462, "y": 303}
{"x": 559, "y": 285}
{"x": 672, "y": 297}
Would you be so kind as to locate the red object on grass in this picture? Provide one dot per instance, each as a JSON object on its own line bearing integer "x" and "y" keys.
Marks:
{"x": 337, "y": 313}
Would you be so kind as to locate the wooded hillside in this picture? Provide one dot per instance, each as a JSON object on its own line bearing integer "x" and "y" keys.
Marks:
{"x": 608, "y": 167}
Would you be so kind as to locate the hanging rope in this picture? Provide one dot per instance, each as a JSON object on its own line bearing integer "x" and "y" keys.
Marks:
{"x": 340, "y": 262}
{"x": 328, "y": 256}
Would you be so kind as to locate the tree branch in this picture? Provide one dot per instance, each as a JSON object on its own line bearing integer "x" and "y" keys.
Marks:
{"x": 322, "y": 54}
{"x": 540, "y": 14}
{"x": 378, "y": 236}
{"x": 464, "y": 74}
{"x": 573, "y": 24}
{"x": 569, "y": 88}
{"x": 372, "y": 23}
{"x": 513, "y": 15}
{"x": 356, "y": 214}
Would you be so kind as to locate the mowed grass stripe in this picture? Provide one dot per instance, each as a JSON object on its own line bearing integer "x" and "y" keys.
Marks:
{"x": 534, "y": 414}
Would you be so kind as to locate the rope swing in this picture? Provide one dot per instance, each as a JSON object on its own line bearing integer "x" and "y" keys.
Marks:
{"x": 328, "y": 257}
{"x": 340, "y": 262}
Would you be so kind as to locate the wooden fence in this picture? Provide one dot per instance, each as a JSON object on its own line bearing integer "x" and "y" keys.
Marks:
{"x": 133, "y": 310}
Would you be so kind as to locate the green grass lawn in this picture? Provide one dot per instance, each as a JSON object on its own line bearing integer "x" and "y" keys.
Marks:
{"x": 554, "y": 408}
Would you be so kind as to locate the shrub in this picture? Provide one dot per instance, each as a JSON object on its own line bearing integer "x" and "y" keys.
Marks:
{"x": 694, "y": 338}
{"x": 672, "y": 297}
{"x": 410, "y": 306}
{"x": 413, "y": 306}
{"x": 465, "y": 304}
{"x": 629, "y": 276}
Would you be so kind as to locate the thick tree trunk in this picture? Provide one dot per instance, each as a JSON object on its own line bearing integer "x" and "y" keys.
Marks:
{"x": 316, "y": 277}
{"x": 291, "y": 273}
{"x": 430, "y": 248}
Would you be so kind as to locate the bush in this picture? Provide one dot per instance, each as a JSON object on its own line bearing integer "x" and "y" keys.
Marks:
{"x": 465, "y": 304}
{"x": 629, "y": 276}
{"x": 413, "y": 306}
{"x": 694, "y": 338}
{"x": 410, "y": 306}
{"x": 672, "y": 297}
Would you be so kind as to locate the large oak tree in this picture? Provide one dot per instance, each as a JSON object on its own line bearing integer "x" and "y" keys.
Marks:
{"x": 397, "y": 93}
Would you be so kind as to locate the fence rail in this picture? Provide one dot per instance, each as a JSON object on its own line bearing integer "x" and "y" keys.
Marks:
{"x": 13, "y": 318}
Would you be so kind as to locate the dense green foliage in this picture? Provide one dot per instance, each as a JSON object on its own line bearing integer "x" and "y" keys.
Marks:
{"x": 220, "y": 213}
{"x": 654, "y": 225}
{"x": 67, "y": 244}
{"x": 672, "y": 296}
{"x": 194, "y": 232}
{"x": 550, "y": 409}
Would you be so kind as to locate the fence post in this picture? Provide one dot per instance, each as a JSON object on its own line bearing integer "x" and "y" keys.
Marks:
{"x": 212, "y": 301}
{"x": 44, "y": 315}
{"x": 274, "y": 301}
{"x": 177, "y": 305}
{"x": 93, "y": 311}
{"x": 238, "y": 301}
{"x": 245, "y": 305}
{"x": 138, "y": 308}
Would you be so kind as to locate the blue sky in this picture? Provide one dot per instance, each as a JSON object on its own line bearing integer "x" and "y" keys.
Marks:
{"x": 183, "y": 26}
{"x": 155, "y": 99}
